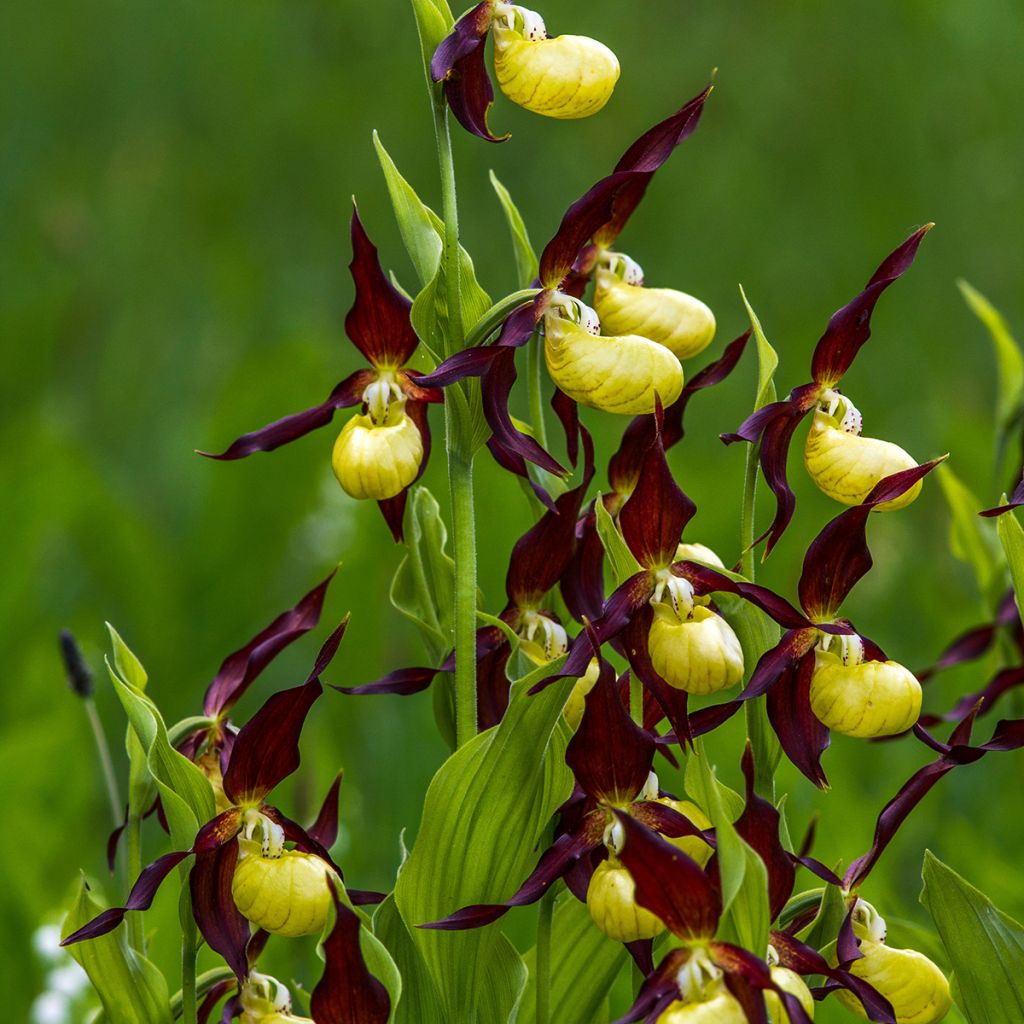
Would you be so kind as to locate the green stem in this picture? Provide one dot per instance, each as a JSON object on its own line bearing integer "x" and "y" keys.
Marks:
{"x": 495, "y": 316}
{"x": 204, "y": 983}
{"x": 544, "y": 929}
{"x": 189, "y": 948}
{"x": 106, "y": 762}
{"x": 133, "y": 836}
{"x": 450, "y": 213}
{"x": 747, "y": 514}
{"x": 535, "y": 383}
{"x": 636, "y": 699}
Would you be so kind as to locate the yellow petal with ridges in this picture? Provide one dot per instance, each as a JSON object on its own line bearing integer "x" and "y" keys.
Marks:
{"x": 874, "y": 698}
{"x": 791, "y": 982}
{"x": 847, "y": 466}
{"x": 377, "y": 462}
{"x": 680, "y": 322}
{"x": 613, "y": 907}
{"x": 696, "y": 849}
{"x": 566, "y": 77}
{"x": 722, "y": 1009}
{"x": 620, "y": 375}
{"x": 700, "y": 655}
{"x": 286, "y": 895}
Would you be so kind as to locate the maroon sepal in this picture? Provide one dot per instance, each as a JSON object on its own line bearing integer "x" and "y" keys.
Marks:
{"x": 347, "y": 993}
{"x": 774, "y": 426}
{"x": 669, "y": 883}
{"x": 239, "y": 669}
{"x": 403, "y": 681}
{"x": 642, "y": 952}
{"x": 748, "y": 978}
{"x": 267, "y": 748}
{"x": 140, "y": 898}
{"x": 658, "y": 991}
{"x": 839, "y": 557}
{"x": 113, "y": 839}
{"x": 610, "y": 755}
{"x": 1016, "y": 500}
{"x": 325, "y": 829}
{"x": 213, "y": 997}
{"x": 653, "y": 518}
{"x": 850, "y": 326}
{"x": 975, "y": 642}
{"x": 556, "y": 860}
{"x": 1003, "y": 682}
{"x": 223, "y": 927}
{"x": 219, "y": 830}
{"x": 706, "y": 580}
{"x": 458, "y": 62}
{"x": 644, "y": 157}
{"x": 378, "y": 322}
{"x": 582, "y": 583}
{"x": 803, "y": 738}
{"x": 232, "y": 1009}
{"x": 668, "y": 822}
{"x": 283, "y": 431}
{"x": 758, "y": 826}
{"x": 541, "y": 555}
{"x": 393, "y": 509}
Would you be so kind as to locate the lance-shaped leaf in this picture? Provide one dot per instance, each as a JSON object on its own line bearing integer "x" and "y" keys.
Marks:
{"x": 239, "y": 669}
{"x": 459, "y": 63}
{"x": 654, "y": 516}
{"x": 225, "y": 929}
{"x": 610, "y": 754}
{"x": 839, "y": 557}
{"x": 347, "y": 993}
{"x": 669, "y": 883}
{"x": 850, "y": 326}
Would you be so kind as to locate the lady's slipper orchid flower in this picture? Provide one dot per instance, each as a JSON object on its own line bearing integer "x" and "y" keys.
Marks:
{"x": 826, "y": 676}
{"x": 264, "y": 753}
{"x": 841, "y": 463}
{"x": 565, "y": 77}
{"x": 623, "y": 375}
{"x": 611, "y": 758}
{"x": 384, "y": 448}
{"x": 537, "y": 563}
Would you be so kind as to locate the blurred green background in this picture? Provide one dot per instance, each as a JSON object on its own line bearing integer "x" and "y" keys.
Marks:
{"x": 174, "y": 199}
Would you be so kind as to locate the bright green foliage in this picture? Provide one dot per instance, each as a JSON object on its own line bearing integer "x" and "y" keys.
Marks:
{"x": 526, "y": 258}
{"x": 984, "y": 945}
{"x": 622, "y": 561}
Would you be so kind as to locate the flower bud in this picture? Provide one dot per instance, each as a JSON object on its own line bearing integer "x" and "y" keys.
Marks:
{"x": 680, "y": 322}
{"x": 612, "y": 904}
{"x": 917, "y": 990}
{"x": 698, "y": 553}
{"x": 696, "y": 849}
{"x": 377, "y": 461}
{"x": 790, "y": 982}
{"x": 721, "y": 1009}
{"x": 700, "y": 654}
{"x": 869, "y": 699}
{"x": 566, "y": 77}
{"x": 577, "y": 701}
{"x": 286, "y": 895}
{"x": 620, "y": 375}
{"x": 847, "y": 466}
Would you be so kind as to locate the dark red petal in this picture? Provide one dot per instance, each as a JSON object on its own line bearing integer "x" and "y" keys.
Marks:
{"x": 659, "y": 990}
{"x": 891, "y": 487}
{"x": 239, "y": 669}
{"x": 218, "y": 830}
{"x": 267, "y": 748}
{"x": 758, "y": 826}
{"x": 850, "y": 326}
{"x": 347, "y": 993}
{"x": 610, "y": 754}
{"x": 492, "y": 686}
{"x": 706, "y": 580}
{"x": 654, "y": 516}
{"x": 777, "y": 661}
{"x": 140, "y": 898}
{"x": 624, "y": 465}
{"x": 349, "y": 392}
{"x": 393, "y": 509}
{"x": 378, "y": 322}
{"x": 1016, "y": 500}
{"x": 1003, "y": 682}
{"x": 113, "y": 839}
{"x": 668, "y": 822}
{"x": 553, "y": 864}
{"x": 541, "y": 555}
{"x": 714, "y": 373}
{"x": 296, "y": 834}
{"x": 668, "y": 882}
{"x": 325, "y": 829}
{"x": 802, "y": 736}
{"x": 226, "y": 931}
{"x": 1009, "y": 735}
{"x": 644, "y": 157}
{"x": 467, "y": 34}
{"x": 968, "y": 646}
{"x": 568, "y": 413}
{"x": 403, "y": 681}
{"x": 212, "y": 998}
{"x": 582, "y": 583}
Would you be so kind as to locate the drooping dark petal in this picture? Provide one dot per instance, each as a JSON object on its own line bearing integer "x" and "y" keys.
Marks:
{"x": 568, "y": 413}
{"x": 239, "y": 669}
{"x": 653, "y": 518}
{"x": 347, "y": 993}
{"x": 232, "y": 1009}
{"x": 492, "y": 686}
{"x": 1003, "y": 682}
{"x": 393, "y": 509}
{"x": 325, "y": 829}
{"x": 1008, "y": 735}
{"x": 1016, "y": 500}
{"x": 553, "y": 864}
{"x": 758, "y": 826}
{"x": 140, "y": 898}
{"x": 378, "y": 322}
{"x": 226, "y": 931}
{"x": 777, "y": 661}
{"x": 113, "y": 839}
{"x": 541, "y": 555}
{"x": 215, "y": 994}
{"x": 267, "y": 748}
{"x": 750, "y": 997}
{"x": 458, "y": 62}
{"x": 668, "y": 822}
{"x": 850, "y": 326}
{"x": 644, "y": 157}
{"x": 706, "y": 580}
{"x": 714, "y": 373}
{"x": 283, "y": 431}
{"x": 974, "y": 643}
{"x": 610, "y": 754}
{"x": 624, "y": 465}
{"x": 658, "y": 991}
{"x": 219, "y": 830}
{"x": 518, "y": 466}
{"x": 803, "y": 738}
{"x": 669, "y": 883}
{"x": 582, "y": 583}
{"x": 642, "y": 952}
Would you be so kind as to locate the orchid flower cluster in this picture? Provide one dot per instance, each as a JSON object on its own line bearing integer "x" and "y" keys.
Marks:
{"x": 623, "y": 645}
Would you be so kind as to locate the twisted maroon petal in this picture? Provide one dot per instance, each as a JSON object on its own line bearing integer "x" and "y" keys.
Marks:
{"x": 223, "y": 927}
{"x": 1016, "y": 501}
{"x": 803, "y": 738}
{"x": 325, "y": 829}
